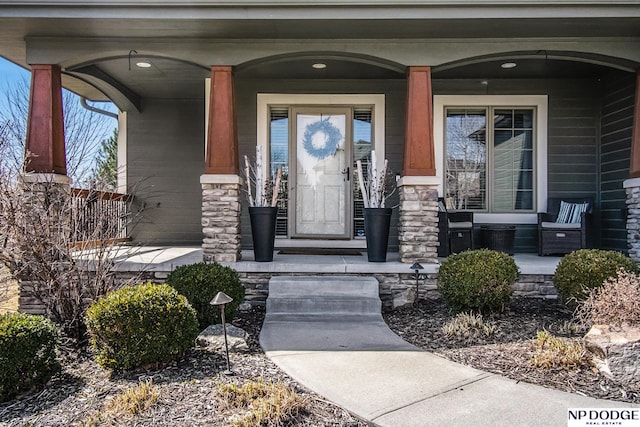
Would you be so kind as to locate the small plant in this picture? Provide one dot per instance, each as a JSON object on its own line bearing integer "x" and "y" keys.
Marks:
{"x": 468, "y": 325}
{"x": 586, "y": 269}
{"x": 135, "y": 399}
{"x": 28, "y": 347}
{"x": 266, "y": 404}
{"x": 553, "y": 352}
{"x": 478, "y": 280}
{"x": 140, "y": 325}
{"x": 201, "y": 282}
{"x": 616, "y": 303}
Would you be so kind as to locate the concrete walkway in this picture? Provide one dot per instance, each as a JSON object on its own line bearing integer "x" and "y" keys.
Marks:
{"x": 352, "y": 358}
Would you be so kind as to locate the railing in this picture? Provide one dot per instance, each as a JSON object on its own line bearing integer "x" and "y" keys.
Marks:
{"x": 98, "y": 218}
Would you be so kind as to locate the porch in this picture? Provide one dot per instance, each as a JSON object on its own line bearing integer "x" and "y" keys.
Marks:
{"x": 397, "y": 280}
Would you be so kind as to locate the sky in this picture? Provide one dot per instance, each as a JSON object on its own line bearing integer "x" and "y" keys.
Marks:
{"x": 10, "y": 72}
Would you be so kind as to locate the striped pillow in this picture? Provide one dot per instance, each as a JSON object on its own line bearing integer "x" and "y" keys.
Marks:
{"x": 569, "y": 213}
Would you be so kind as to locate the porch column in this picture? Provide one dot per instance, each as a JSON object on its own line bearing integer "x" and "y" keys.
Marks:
{"x": 221, "y": 185}
{"x": 44, "y": 183}
{"x": 418, "y": 219}
{"x": 45, "y": 124}
{"x": 632, "y": 185}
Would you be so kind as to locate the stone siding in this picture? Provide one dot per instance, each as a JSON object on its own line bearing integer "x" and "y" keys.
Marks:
{"x": 633, "y": 220}
{"x": 221, "y": 222}
{"x": 418, "y": 223}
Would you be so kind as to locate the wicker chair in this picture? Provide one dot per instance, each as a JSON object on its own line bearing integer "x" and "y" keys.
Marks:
{"x": 561, "y": 238}
{"x": 455, "y": 230}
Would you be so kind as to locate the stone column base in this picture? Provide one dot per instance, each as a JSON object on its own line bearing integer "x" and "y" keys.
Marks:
{"x": 632, "y": 187}
{"x": 221, "y": 209}
{"x": 418, "y": 219}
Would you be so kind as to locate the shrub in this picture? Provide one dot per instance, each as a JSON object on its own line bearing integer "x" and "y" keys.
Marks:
{"x": 586, "y": 269}
{"x": 616, "y": 303}
{"x": 139, "y": 325}
{"x": 478, "y": 280}
{"x": 27, "y": 352}
{"x": 201, "y": 282}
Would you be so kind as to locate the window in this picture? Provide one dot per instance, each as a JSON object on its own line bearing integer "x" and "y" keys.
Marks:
{"x": 489, "y": 164}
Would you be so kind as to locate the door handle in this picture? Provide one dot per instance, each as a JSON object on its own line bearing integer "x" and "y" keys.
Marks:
{"x": 347, "y": 172}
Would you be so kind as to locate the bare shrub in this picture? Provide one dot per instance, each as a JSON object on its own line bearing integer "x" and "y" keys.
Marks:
{"x": 616, "y": 303}
{"x": 62, "y": 266}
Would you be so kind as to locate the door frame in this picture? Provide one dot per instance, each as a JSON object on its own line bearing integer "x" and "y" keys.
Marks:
{"x": 265, "y": 100}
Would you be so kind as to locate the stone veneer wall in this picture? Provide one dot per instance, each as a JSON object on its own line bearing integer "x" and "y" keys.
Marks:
{"x": 418, "y": 223}
{"x": 632, "y": 187}
{"x": 221, "y": 209}
{"x": 396, "y": 290}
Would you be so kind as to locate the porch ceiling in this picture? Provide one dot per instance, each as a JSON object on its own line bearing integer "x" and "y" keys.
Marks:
{"x": 172, "y": 79}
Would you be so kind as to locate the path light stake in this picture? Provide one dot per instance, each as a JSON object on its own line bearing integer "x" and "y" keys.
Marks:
{"x": 416, "y": 267}
{"x": 221, "y": 299}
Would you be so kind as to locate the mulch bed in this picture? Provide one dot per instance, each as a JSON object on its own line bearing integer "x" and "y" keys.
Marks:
{"x": 188, "y": 388}
{"x": 510, "y": 350}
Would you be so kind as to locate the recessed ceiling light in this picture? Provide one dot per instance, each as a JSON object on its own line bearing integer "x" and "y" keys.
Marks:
{"x": 143, "y": 64}
{"x": 508, "y": 65}
{"x": 319, "y": 65}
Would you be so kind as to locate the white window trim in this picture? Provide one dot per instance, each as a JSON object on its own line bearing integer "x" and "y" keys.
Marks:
{"x": 540, "y": 102}
{"x": 377, "y": 100}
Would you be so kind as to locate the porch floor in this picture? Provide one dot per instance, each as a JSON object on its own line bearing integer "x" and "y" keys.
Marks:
{"x": 167, "y": 258}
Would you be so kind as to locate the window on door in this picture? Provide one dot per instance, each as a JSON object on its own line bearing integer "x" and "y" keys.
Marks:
{"x": 362, "y": 142}
{"x": 489, "y": 159}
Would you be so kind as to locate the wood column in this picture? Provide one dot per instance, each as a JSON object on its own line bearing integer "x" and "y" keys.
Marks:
{"x": 635, "y": 138}
{"x": 419, "y": 156}
{"x": 45, "y": 123}
{"x": 222, "y": 138}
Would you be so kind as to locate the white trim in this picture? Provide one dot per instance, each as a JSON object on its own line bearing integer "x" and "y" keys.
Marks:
{"x": 419, "y": 180}
{"x": 121, "y": 181}
{"x": 631, "y": 183}
{"x": 45, "y": 178}
{"x": 377, "y": 100}
{"x": 210, "y": 178}
{"x": 540, "y": 102}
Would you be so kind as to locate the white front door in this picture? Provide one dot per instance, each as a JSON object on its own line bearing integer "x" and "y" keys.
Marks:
{"x": 321, "y": 166}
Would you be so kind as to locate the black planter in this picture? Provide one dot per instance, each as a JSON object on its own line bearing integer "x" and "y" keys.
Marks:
{"x": 263, "y": 231}
{"x": 376, "y": 228}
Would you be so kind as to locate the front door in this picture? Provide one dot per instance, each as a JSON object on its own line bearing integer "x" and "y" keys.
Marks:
{"x": 321, "y": 163}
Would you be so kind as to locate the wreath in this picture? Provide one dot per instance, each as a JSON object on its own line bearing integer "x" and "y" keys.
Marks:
{"x": 333, "y": 138}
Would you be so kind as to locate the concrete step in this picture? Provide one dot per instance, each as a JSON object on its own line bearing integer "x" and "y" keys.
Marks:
{"x": 295, "y": 297}
{"x": 280, "y": 286}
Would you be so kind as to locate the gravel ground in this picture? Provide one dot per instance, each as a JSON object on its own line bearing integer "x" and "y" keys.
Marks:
{"x": 188, "y": 389}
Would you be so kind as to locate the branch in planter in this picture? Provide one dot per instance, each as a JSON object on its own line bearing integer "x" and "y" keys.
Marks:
{"x": 363, "y": 188}
{"x": 276, "y": 187}
{"x": 247, "y": 172}
{"x": 259, "y": 177}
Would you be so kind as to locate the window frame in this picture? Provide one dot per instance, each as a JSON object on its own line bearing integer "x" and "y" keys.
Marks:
{"x": 540, "y": 105}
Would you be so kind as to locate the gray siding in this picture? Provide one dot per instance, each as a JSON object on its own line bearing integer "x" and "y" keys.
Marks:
{"x": 246, "y": 91}
{"x": 165, "y": 152}
{"x": 573, "y": 123}
{"x": 165, "y": 158}
{"x": 615, "y": 147}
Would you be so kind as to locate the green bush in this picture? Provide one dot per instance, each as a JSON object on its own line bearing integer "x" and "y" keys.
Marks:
{"x": 140, "y": 325}
{"x": 27, "y": 352}
{"x": 586, "y": 269}
{"x": 478, "y": 280}
{"x": 201, "y": 282}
